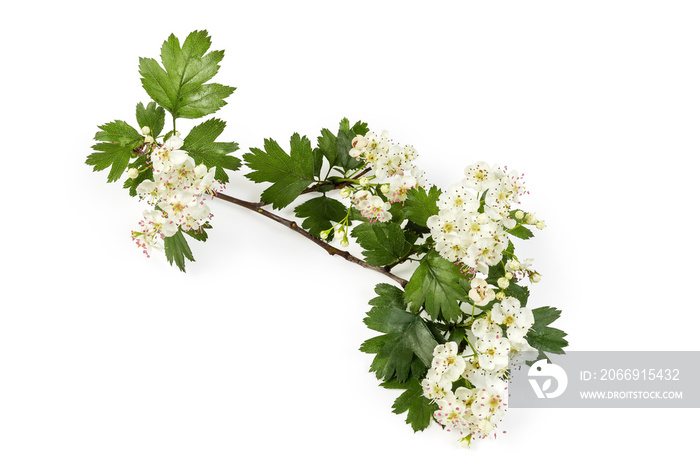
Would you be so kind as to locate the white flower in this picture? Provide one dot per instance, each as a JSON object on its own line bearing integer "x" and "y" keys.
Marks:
{"x": 436, "y": 388}
{"x": 459, "y": 197}
{"x": 493, "y": 351}
{"x": 480, "y": 292}
{"x": 399, "y": 186}
{"x": 447, "y": 363}
{"x": 518, "y": 320}
{"x": 485, "y": 325}
{"x": 479, "y": 176}
{"x": 453, "y": 414}
{"x": 374, "y": 209}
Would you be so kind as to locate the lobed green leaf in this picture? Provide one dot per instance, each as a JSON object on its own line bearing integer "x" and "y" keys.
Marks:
{"x": 201, "y": 146}
{"x": 438, "y": 285}
{"x": 383, "y": 243}
{"x": 289, "y": 174}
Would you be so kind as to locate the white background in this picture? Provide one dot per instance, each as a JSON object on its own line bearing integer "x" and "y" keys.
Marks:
{"x": 109, "y": 358}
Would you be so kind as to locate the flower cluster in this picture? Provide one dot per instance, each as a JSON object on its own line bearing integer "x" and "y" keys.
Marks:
{"x": 178, "y": 191}
{"x": 476, "y": 407}
{"x": 393, "y": 169}
{"x": 474, "y": 216}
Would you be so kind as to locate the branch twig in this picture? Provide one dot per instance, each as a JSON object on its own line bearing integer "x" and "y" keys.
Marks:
{"x": 333, "y": 251}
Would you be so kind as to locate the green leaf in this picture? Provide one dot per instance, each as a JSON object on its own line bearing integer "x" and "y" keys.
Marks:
{"x": 118, "y": 141}
{"x": 421, "y": 204}
{"x": 336, "y": 148}
{"x": 383, "y": 243}
{"x": 290, "y": 174}
{"x": 200, "y": 145}
{"x": 152, "y": 116}
{"x": 179, "y": 86}
{"x": 521, "y": 232}
{"x": 545, "y": 338}
{"x": 438, "y": 285}
{"x": 201, "y": 234}
{"x": 406, "y": 349}
{"x": 320, "y": 214}
{"x": 420, "y": 409}
{"x": 177, "y": 250}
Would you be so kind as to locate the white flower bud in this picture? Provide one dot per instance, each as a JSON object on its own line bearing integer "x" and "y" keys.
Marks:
{"x": 519, "y": 214}
{"x": 344, "y": 242}
{"x": 145, "y": 130}
{"x": 540, "y": 225}
{"x": 385, "y": 188}
{"x": 535, "y": 277}
{"x": 133, "y": 173}
{"x": 509, "y": 275}
{"x": 509, "y": 223}
{"x": 503, "y": 283}
{"x": 148, "y": 139}
{"x": 513, "y": 265}
{"x": 345, "y": 193}
{"x": 364, "y": 181}
{"x": 500, "y": 296}
{"x": 530, "y": 219}
{"x": 324, "y": 235}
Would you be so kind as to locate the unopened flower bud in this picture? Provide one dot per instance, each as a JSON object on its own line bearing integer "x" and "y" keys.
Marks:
{"x": 385, "y": 188}
{"x": 324, "y": 235}
{"x": 509, "y": 275}
{"x": 145, "y": 130}
{"x": 530, "y": 219}
{"x": 133, "y": 173}
{"x": 148, "y": 139}
{"x": 519, "y": 214}
{"x": 540, "y": 225}
{"x": 500, "y": 296}
{"x": 345, "y": 193}
{"x": 509, "y": 223}
{"x": 535, "y": 277}
{"x": 364, "y": 181}
{"x": 344, "y": 242}
{"x": 503, "y": 283}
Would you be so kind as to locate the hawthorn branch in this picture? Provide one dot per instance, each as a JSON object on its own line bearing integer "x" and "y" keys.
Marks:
{"x": 257, "y": 207}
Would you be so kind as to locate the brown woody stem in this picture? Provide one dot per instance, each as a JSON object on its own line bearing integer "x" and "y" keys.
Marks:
{"x": 258, "y": 208}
